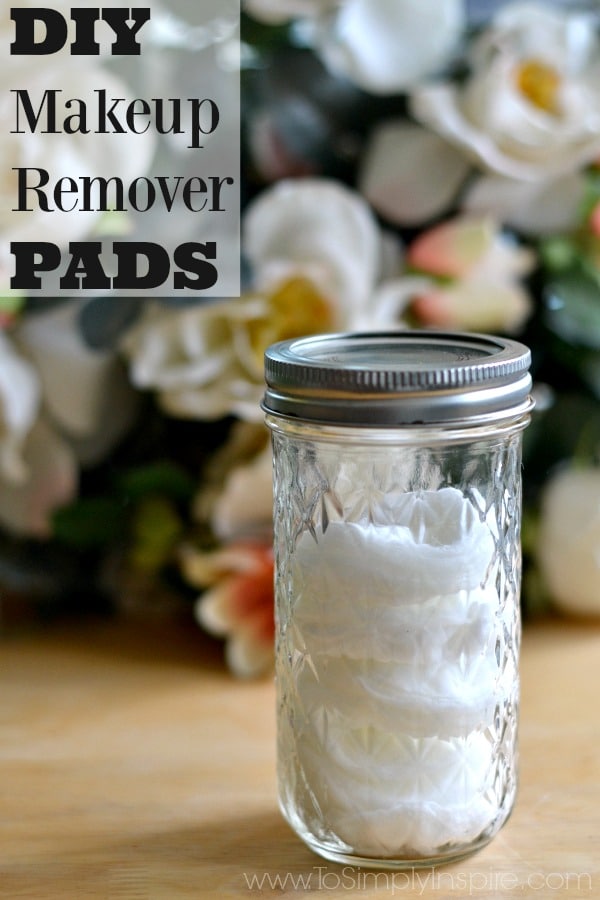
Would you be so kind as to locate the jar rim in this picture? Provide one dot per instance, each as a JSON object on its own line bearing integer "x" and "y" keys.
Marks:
{"x": 396, "y": 378}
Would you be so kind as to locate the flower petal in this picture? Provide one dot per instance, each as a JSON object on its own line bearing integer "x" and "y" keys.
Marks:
{"x": 240, "y": 605}
{"x": 410, "y": 174}
{"x": 319, "y": 227}
{"x": 453, "y": 248}
{"x": 248, "y": 657}
{"x": 19, "y": 404}
{"x": 203, "y": 569}
{"x": 533, "y": 208}
{"x": 246, "y": 502}
{"x": 51, "y": 482}
{"x": 86, "y": 392}
{"x": 484, "y": 306}
{"x": 274, "y": 12}
{"x": 386, "y": 45}
{"x": 230, "y": 394}
{"x": 391, "y": 301}
{"x": 530, "y": 108}
{"x": 569, "y": 540}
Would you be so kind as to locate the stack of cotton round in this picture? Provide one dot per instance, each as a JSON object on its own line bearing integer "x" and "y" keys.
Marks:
{"x": 395, "y": 629}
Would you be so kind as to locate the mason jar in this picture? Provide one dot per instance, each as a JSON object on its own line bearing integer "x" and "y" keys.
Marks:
{"x": 397, "y": 505}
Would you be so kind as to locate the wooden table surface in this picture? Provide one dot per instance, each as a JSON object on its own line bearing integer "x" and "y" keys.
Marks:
{"x": 132, "y": 765}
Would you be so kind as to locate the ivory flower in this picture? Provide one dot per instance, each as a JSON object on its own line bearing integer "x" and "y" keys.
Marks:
{"x": 409, "y": 174}
{"x": 86, "y": 393}
{"x": 530, "y": 108}
{"x": 37, "y": 468}
{"x": 532, "y": 207}
{"x": 381, "y": 45}
{"x": 316, "y": 255}
{"x": 63, "y": 405}
{"x": 315, "y": 228}
{"x": 246, "y": 502}
{"x": 384, "y": 46}
{"x": 568, "y": 547}
{"x": 50, "y": 481}
{"x": 274, "y": 12}
{"x": 206, "y": 362}
{"x": 19, "y": 406}
{"x": 238, "y": 604}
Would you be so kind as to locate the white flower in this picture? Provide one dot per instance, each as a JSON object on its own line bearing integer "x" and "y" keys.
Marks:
{"x": 409, "y": 174}
{"x": 51, "y": 479}
{"x": 86, "y": 392}
{"x": 383, "y": 46}
{"x": 61, "y": 155}
{"x": 316, "y": 254}
{"x": 37, "y": 468}
{"x": 532, "y": 207}
{"x": 235, "y": 495}
{"x": 245, "y": 505}
{"x": 530, "y": 108}
{"x": 319, "y": 229}
{"x": 568, "y": 549}
{"x": 62, "y": 405}
{"x": 19, "y": 405}
{"x": 274, "y": 12}
{"x": 190, "y": 357}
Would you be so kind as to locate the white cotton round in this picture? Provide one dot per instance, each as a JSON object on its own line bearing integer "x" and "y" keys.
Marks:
{"x": 379, "y": 629}
{"x": 438, "y": 544}
{"x": 400, "y": 697}
{"x": 417, "y": 828}
{"x": 405, "y": 791}
{"x": 397, "y": 644}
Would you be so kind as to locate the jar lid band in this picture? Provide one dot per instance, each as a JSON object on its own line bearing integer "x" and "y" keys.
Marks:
{"x": 397, "y": 378}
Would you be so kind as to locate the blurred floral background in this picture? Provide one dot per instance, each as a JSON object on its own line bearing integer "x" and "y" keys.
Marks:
{"x": 428, "y": 165}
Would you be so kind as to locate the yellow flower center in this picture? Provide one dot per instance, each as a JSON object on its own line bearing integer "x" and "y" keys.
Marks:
{"x": 540, "y": 83}
{"x": 296, "y": 308}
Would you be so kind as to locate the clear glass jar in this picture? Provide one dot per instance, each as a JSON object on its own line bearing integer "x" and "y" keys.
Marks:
{"x": 397, "y": 500}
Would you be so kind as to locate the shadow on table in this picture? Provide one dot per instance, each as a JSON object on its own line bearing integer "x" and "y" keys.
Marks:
{"x": 244, "y": 856}
{"x": 177, "y": 644}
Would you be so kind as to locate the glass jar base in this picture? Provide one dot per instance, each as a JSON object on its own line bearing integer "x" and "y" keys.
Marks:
{"x": 396, "y": 864}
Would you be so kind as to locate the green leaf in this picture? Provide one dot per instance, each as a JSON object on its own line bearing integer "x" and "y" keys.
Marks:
{"x": 156, "y": 529}
{"x": 558, "y": 253}
{"x": 10, "y": 306}
{"x": 592, "y": 192}
{"x": 89, "y": 523}
{"x": 162, "y": 477}
{"x": 568, "y": 430}
{"x": 573, "y": 308}
{"x": 263, "y": 37}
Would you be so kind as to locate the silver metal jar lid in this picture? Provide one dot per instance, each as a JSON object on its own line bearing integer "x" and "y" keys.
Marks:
{"x": 398, "y": 378}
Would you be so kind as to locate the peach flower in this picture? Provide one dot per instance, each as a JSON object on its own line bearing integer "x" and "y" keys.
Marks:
{"x": 481, "y": 270}
{"x": 238, "y": 602}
